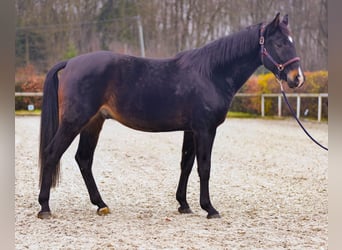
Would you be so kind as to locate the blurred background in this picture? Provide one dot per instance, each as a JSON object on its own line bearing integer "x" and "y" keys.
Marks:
{"x": 48, "y": 31}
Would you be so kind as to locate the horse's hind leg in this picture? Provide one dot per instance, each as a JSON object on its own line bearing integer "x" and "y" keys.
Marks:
{"x": 60, "y": 142}
{"x": 188, "y": 157}
{"x": 84, "y": 157}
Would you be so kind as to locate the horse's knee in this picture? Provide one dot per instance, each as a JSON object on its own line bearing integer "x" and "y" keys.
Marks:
{"x": 204, "y": 174}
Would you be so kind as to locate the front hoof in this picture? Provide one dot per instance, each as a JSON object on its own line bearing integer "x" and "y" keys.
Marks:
{"x": 44, "y": 215}
{"x": 214, "y": 216}
{"x": 184, "y": 210}
{"x": 103, "y": 211}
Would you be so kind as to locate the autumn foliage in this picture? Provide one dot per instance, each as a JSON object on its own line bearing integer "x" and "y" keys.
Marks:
{"x": 315, "y": 82}
{"x": 28, "y": 80}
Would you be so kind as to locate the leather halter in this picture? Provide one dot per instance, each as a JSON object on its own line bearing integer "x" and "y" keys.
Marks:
{"x": 264, "y": 52}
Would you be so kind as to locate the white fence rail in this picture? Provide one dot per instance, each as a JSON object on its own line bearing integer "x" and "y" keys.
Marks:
{"x": 298, "y": 97}
{"x": 28, "y": 94}
{"x": 262, "y": 96}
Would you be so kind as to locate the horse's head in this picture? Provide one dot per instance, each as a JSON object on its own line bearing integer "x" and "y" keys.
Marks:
{"x": 278, "y": 52}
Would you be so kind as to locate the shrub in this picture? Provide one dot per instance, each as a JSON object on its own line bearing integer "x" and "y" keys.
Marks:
{"x": 27, "y": 80}
{"x": 315, "y": 82}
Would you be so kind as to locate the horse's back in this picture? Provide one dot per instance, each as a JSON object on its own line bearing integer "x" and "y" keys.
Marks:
{"x": 137, "y": 92}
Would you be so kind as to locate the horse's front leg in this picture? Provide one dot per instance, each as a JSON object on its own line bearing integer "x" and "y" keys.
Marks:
{"x": 188, "y": 158}
{"x": 204, "y": 142}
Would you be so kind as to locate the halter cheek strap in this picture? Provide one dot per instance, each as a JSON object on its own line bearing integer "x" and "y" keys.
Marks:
{"x": 264, "y": 53}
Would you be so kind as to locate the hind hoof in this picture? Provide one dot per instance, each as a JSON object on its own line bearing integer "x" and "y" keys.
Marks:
{"x": 184, "y": 210}
{"x": 103, "y": 211}
{"x": 44, "y": 215}
{"x": 214, "y": 216}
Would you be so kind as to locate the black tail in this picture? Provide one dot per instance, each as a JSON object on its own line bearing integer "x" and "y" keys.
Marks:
{"x": 49, "y": 118}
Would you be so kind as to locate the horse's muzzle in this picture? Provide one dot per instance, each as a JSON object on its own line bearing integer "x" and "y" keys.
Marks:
{"x": 295, "y": 78}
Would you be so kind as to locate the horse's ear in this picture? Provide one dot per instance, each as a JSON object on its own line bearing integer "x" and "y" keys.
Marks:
{"x": 276, "y": 21}
{"x": 271, "y": 27}
{"x": 286, "y": 19}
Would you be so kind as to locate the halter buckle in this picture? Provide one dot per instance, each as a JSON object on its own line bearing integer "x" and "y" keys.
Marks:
{"x": 262, "y": 40}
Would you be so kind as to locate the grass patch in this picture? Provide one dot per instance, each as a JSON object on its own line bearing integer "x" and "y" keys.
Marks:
{"x": 27, "y": 112}
{"x": 241, "y": 115}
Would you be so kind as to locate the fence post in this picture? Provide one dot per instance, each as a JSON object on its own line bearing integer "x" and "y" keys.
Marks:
{"x": 298, "y": 106}
{"x": 319, "y": 114}
{"x": 279, "y": 105}
{"x": 262, "y": 105}
{"x": 141, "y": 36}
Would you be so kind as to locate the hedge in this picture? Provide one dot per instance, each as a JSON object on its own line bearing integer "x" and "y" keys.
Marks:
{"x": 315, "y": 82}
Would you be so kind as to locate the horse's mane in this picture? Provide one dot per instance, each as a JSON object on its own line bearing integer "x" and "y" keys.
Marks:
{"x": 221, "y": 51}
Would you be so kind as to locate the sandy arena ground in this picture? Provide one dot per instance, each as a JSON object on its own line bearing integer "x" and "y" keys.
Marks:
{"x": 268, "y": 181}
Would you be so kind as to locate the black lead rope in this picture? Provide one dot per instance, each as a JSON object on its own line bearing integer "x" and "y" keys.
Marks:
{"x": 295, "y": 116}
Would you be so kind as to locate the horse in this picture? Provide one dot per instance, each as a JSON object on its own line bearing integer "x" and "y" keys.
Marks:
{"x": 190, "y": 92}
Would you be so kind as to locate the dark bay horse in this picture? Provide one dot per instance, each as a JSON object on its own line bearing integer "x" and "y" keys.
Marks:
{"x": 190, "y": 92}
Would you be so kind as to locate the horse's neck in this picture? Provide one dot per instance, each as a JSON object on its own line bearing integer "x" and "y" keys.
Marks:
{"x": 242, "y": 59}
{"x": 241, "y": 73}
{"x": 237, "y": 73}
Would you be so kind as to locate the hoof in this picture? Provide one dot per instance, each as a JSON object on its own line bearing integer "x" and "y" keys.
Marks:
{"x": 184, "y": 210}
{"x": 103, "y": 211}
{"x": 44, "y": 215}
{"x": 213, "y": 216}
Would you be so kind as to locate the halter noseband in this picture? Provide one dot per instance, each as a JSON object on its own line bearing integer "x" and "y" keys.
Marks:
{"x": 264, "y": 52}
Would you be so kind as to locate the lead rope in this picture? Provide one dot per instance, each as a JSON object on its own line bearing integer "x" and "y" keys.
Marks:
{"x": 295, "y": 116}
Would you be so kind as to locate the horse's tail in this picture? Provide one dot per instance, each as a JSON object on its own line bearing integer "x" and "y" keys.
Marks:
{"x": 49, "y": 119}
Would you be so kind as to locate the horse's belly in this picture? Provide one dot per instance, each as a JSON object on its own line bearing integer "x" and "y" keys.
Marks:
{"x": 145, "y": 121}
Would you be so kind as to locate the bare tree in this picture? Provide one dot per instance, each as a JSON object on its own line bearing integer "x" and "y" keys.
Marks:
{"x": 48, "y": 30}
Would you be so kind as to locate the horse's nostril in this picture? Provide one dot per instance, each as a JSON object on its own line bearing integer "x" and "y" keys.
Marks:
{"x": 299, "y": 78}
